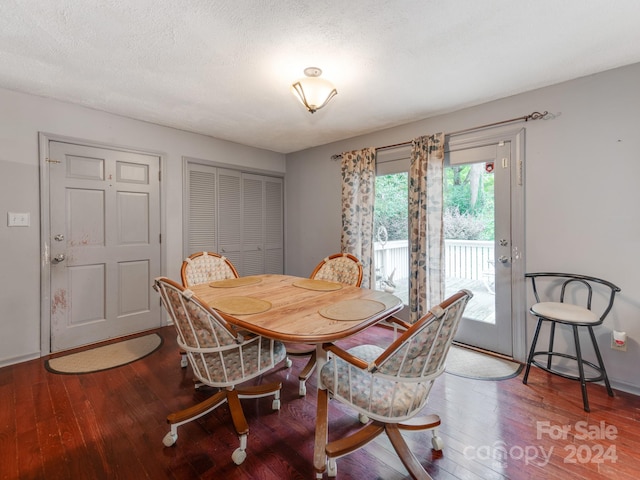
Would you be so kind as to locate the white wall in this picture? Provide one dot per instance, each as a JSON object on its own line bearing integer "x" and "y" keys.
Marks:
{"x": 21, "y": 118}
{"x": 581, "y": 181}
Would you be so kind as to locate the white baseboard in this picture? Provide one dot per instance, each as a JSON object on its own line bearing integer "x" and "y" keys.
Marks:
{"x": 5, "y": 362}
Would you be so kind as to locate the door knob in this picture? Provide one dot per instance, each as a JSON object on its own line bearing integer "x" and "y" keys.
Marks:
{"x": 503, "y": 259}
{"x": 58, "y": 258}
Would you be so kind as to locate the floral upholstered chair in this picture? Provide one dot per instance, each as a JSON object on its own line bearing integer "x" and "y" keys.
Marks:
{"x": 340, "y": 268}
{"x": 220, "y": 357}
{"x": 389, "y": 387}
{"x": 204, "y": 267}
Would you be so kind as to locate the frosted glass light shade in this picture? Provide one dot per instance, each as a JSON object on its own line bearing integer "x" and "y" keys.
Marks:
{"x": 312, "y": 91}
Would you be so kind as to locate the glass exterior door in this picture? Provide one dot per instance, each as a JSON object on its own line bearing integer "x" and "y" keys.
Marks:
{"x": 482, "y": 215}
{"x": 477, "y": 236}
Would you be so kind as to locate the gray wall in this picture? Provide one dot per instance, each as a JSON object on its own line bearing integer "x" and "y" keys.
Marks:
{"x": 581, "y": 184}
{"x": 21, "y": 118}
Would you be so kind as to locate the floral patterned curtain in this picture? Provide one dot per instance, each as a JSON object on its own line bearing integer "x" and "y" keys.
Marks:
{"x": 426, "y": 262}
{"x": 358, "y": 197}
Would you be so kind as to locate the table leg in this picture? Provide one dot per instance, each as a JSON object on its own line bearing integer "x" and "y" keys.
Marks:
{"x": 319, "y": 454}
{"x": 322, "y": 418}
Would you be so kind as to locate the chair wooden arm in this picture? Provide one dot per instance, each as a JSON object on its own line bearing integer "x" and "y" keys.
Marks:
{"x": 400, "y": 323}
{"x": 346, "y": 356}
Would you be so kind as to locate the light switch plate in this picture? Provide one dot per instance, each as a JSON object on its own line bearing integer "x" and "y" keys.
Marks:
{"x": 18, "y": 219}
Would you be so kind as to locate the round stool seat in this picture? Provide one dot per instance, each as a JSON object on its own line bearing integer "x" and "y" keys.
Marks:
{"x": 565, "y": 313}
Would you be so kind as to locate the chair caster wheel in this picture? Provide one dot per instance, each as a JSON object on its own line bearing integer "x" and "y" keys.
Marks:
{"x": 169, "y": 439}
{"x": 332, "y": 468}
{"x": 275, "y": 405}
{"x": 288, "y": 362}
{"x": 184, "y": 362}
{"x": 363, "y": 418}
{"x": 437, "y": 443}
{"x": 302, "y": 391}
{"x": 238, "y": 456}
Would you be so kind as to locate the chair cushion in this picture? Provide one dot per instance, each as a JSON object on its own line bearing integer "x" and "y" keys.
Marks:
{"x": 379, "y": 396}
{"x": 564, "y": 312}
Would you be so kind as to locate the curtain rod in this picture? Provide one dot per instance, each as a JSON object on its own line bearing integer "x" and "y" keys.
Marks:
{"x": 526, "y": 118}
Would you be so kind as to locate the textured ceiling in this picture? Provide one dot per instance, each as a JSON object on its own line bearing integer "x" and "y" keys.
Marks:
{"x": 224, "y": 67}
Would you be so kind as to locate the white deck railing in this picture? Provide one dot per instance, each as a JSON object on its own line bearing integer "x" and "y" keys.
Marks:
{"x": 467, "y": 259}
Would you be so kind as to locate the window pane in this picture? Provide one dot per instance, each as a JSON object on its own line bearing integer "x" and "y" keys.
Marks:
{"x": 391, "y": 239}
{"x": 469, "y": 226}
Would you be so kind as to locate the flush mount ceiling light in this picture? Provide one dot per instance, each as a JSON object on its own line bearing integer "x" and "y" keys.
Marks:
{"x": 312, "y": 91}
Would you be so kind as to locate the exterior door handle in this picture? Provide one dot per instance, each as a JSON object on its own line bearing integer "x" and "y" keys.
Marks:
{"x": 58, "y": 258}
{"x": 503, "y": 259}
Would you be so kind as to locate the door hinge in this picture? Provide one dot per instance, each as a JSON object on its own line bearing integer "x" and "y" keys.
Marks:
{"x": 159, "y": 238}
{"x": 519, "y": 173}
{"x": 49, "y": 160}
{"x": 505, "y": 162}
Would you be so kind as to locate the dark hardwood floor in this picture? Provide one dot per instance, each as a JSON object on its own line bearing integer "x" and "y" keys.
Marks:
{"x": 110, "y": 425}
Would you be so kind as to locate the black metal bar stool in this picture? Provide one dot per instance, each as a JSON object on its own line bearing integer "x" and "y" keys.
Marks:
{"x": 566, "y": 311}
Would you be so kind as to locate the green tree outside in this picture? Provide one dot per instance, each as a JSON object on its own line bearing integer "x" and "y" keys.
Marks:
{"x": 469, "y": 203}
{"x": 391, "y": 207}
{"x": 468, "y": 197}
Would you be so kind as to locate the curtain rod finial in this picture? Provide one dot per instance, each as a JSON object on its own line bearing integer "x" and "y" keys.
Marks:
{"x": 536, "y": 115}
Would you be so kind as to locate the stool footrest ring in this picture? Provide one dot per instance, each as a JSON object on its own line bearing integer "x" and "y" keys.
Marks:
{"x": 554, "y": 371}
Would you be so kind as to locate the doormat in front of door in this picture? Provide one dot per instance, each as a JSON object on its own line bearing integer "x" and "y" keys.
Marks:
{"x": 105, "y": 357}
{"x": 468, "y": 363}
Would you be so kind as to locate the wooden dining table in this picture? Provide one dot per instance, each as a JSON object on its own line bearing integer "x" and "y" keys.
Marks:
{"x": 300, "y": 310}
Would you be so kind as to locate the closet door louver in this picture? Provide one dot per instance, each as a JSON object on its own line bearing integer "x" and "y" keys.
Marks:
{"x": 273, "y": 238}
{"x": 201, "y": 212}
{"x": 238, "y": 215}
{"x": 230, "y": 216}
{"x": 252, "y": 225}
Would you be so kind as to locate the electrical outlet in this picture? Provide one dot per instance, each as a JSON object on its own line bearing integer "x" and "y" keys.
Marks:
{"x": 615, "y": 346}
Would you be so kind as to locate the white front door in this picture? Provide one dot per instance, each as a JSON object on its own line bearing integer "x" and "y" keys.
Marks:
{"x": 104, "y": 242}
